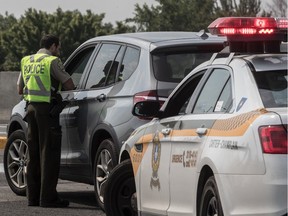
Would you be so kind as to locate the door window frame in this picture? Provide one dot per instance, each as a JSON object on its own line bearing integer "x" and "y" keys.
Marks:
{"x": 194, "y": 98}
{"x": 72, "y": 58}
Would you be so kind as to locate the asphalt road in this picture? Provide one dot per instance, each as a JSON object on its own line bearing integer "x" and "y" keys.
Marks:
{"x": 81, "y": 197}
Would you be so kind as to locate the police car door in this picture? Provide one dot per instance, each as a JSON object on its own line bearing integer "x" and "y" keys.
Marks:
{"x": 155, "y": 166}
{"x": 212, "y": 98}
{"x": 154, "y": 183}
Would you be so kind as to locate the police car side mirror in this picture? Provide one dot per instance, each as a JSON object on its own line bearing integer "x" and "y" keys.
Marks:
{"x": 146, "y": 109}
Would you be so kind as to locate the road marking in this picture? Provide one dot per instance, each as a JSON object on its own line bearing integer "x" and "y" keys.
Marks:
{"x": 2, "y": 142}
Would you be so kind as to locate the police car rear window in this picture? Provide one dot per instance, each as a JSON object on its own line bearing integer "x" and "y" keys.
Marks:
{"x": 272, "y": 87}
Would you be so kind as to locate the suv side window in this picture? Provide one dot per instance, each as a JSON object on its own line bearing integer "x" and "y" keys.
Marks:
{"x": 76, "y": 67}
{"x": 130, "y": 62}
{"x": 105, "y": 66}
{"x": 216, "y": 95}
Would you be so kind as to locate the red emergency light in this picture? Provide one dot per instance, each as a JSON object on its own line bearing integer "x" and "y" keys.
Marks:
{"x": 251, "y": 34}
{"x": 248, "y": 26}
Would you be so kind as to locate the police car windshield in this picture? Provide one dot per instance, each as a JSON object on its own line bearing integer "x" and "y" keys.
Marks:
{"x": 272, "y": 87}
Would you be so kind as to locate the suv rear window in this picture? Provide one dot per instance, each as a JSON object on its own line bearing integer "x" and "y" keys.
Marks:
{"x": 173, "y": 67}
{"x": 272, "y": 87}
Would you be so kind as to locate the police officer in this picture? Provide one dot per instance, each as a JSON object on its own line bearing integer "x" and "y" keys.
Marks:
{"x": 41, "y": 78}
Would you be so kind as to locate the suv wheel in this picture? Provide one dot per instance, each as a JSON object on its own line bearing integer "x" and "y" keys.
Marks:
{"x": 105, "y": 161}
{"x": 15, "y": 162}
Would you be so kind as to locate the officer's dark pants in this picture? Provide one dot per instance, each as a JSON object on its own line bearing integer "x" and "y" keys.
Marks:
{"x": 44, "y": 144}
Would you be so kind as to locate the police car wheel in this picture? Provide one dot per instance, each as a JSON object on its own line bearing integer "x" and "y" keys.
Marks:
{"x": 210, "y": 200}
{"x": 15, "y": 162}
{"x": 105, "y": 160}
{"x": 120, "y": 196}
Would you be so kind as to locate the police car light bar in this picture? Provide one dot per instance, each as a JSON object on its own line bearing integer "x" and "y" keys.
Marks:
{"x": 229, "y": 26}
{"x": 251, "y": 34}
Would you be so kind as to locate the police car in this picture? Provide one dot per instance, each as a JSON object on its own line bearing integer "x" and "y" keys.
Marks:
{"x": 218, "y": 145}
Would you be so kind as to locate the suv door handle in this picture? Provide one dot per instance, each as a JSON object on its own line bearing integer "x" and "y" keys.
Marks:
{"x": 101, "y": 97}
{"x": 166, "y": 131}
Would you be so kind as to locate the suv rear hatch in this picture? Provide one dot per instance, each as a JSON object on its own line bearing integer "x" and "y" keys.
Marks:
{"x": 171, "y": 64}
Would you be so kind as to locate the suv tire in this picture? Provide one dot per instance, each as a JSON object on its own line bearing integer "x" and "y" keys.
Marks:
{"x": 15, "y": 162}
{"x": 105, "y": 160}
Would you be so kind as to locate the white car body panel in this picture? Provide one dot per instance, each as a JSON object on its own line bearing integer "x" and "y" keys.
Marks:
{"x": 249, "y": 181}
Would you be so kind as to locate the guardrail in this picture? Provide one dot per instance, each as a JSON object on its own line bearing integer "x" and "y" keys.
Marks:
{"x": 8, "y": 94}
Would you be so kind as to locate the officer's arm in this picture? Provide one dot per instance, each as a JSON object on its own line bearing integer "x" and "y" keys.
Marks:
{"x": 20, "y": 90}
{"x": 20, "y": 84}
{"x": 59, "y": 73}
{"x": 69, "y": 85}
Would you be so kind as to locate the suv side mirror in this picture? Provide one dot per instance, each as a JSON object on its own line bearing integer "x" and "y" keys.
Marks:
{"x": 146, "y": 109}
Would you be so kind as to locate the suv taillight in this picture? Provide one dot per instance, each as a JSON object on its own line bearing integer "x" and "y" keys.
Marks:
{"x": 148, "y": 95}
{"x": 273, "y": 139}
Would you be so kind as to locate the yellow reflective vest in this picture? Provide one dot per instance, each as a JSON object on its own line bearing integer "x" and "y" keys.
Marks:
{"x": 35, "y": 71}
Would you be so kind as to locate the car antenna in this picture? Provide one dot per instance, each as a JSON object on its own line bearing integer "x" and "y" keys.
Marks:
{"x": 202, "y": 34}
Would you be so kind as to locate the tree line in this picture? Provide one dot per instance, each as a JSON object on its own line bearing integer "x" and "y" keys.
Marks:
{"x": 21, "y": 36}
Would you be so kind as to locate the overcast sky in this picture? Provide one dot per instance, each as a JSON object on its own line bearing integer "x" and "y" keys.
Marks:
{"x": 115, "y": 10}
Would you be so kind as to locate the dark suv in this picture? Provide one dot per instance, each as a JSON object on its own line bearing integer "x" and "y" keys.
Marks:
{"x": 112, "y": 73}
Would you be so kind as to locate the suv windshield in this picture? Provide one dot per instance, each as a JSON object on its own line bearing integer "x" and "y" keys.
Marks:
{"x": 272, "y": 87}
{"x": 173, "y": 67}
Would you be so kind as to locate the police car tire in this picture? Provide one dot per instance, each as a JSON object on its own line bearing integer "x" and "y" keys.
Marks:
{"x": 120, "y": 190}
{"x": 17, "y": 135}
{"x": 108, "y": 146}
{"x": 210, "y": 195}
